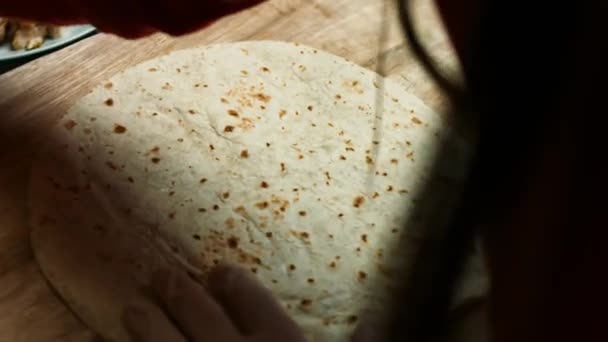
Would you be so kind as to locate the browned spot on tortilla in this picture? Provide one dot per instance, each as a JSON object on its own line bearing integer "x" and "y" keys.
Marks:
{"x": 264, "y": 69}
{"x": 240, "y": 210}
{"x": 203, "y": 180}
{"x": 304, "y": 235}
{"x": 369, "y": 160}
{"x": 244, "y": 72}
{"x": 233, "y": 112}
{"x": 202, "y": 210}
{"x": 364, "y": 238}
{"x": 216, "y": 207}
{"x": 375, "y": 195}
{"x": 228, "y": 129}
{"x": 332, "y": 264}
{"x": 70, "y": 124}
{"x": 171, "y": 193}
{"x": 306, "y": 302}
{"x": 292, "y": 267}
{"x": 130, "y": 179}
{"x": 119, "y": 129}
{"x": 191, "y": 111}
{"x": 311, "y": 280}
{"x": 362, "y": 275}
{"x": 225, "y": 195}
{"x": 262, "y": 97}
{"x": 196, "y": 237}
{"x": 246, "y": 124}
{"x": 302, "y": 213}
{"x": 338, "y": 96}
{"x": 229, "y": 223}
{"x": 167, "y": 86}
{"x": 233, "y": 242}
{"x": 262, "y": 205}
{"x": 352, "y": 319}
{"x": 264, "y": 185}
{"x": 394, "y": 161}
{"x": 111, "y": 165}
{"x": 300, "y": 157}
{"x": 310, "y": 108}
{"x": 155, "y": 160}
{"x": 358, "y": 201}
{"x": 283, "y": 168}
{"x": 269, "y": 235}
{"x": 282, "y": 113}
{"x": 244, "y": 154}
{"x": 171, "y": 215}
{"x": 416, "y": 120}
{"x": 403, "y": 191}
{"x": 109, "y": 102}
{"x": 390, "y": 188}
{"x": 394, "y": 231}
{"x": 108, "y": 85}
{"x": 152, "y": 69}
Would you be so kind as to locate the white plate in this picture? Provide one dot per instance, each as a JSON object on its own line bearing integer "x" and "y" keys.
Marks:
{"x": 69, "y": 34}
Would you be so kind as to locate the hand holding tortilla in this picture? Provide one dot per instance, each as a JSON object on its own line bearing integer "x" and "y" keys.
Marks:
{"x": 234, "y": 308}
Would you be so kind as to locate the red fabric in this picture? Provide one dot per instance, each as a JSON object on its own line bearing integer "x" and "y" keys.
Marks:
{"x": 128, "y": 18}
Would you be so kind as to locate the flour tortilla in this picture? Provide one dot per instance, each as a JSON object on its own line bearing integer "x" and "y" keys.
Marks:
{"x": 255, "y": 153}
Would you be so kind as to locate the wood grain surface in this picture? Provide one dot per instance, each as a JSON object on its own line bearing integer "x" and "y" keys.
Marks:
{"x": 33, "y": 96}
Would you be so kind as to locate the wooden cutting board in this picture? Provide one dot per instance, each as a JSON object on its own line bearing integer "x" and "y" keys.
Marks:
{"x": 33, "y": 96}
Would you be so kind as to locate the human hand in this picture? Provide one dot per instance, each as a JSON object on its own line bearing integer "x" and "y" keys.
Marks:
{"x": 233, "y": 308}
{"x": 129, "y": 18}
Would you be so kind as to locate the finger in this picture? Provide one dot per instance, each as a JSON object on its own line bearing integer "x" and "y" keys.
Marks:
{"x": 127, "y": 32}
{"x": 129, "y": 22}
{"x": 150, "y": 325}
{"x": 251, "y": 306}
{"x": 197, "y": 314}
{"x": 191, "y": 15}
